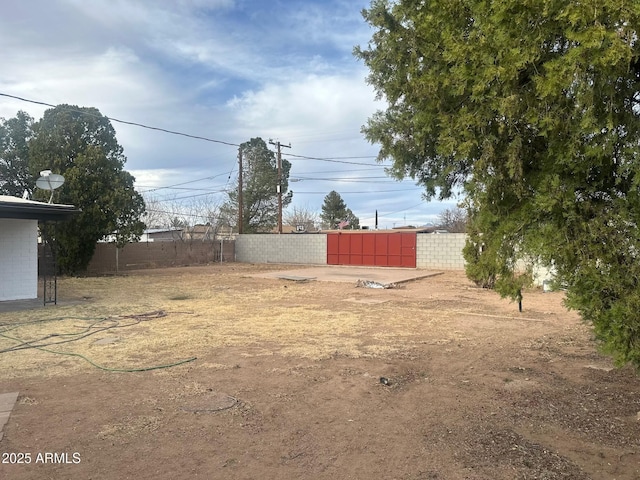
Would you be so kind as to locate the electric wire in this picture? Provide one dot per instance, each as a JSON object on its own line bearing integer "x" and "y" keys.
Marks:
{"x": 141, "y": 125}
{"x": 188, "y": 135}
{"x": 335, "y": 160}
{"x": 370, "y": 192}
{"x": 153, "y": 189}
{"x": 341, "y": 160}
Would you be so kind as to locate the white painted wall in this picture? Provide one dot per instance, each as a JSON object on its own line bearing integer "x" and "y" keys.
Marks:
{"x": 18, "y": 259}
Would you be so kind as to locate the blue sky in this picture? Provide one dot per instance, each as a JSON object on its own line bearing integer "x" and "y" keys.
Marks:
{"x": 229, "y": 70}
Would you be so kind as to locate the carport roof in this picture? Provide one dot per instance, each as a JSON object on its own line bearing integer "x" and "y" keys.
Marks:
{"x": 14, "y": 207}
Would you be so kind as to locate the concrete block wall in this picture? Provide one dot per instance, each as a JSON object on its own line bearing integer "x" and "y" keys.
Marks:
{"x": 18, "y": 259}
{"x": 285, "y": 248}
{"x": 443, "y": 251}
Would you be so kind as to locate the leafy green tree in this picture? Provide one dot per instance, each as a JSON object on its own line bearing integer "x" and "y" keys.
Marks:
{"x": 532, "y": 109}
{"x": 15, "y": 134}
{"x": 259, "y": 190}
{"x": 80, "y": 144}
{"x": 334, "y": 211}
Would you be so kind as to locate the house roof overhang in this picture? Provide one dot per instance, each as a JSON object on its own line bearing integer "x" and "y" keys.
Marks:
{"x": 18, "y": 208}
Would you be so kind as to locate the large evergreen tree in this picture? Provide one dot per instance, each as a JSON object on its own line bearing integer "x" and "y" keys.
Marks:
{"x": 533, "y": 108}
{"x": 259, "y": 190}
{"x": 80, "y": 144}
{"x": 334, "y": 211}
{"x": 15, "y": 134}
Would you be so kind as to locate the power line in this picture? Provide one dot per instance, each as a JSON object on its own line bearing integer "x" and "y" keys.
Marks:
{"x": 142, "y": 125}
{"x": 342, "y": 171}
{"x": 404, "y": 209}
{"x": 341, "y": 160}
{"x": 179, "y": 214}
{"x": 337, "y": 160}
{"x": 343, "y": 179}
{"x": 184, "y": 197}
{"x": 153, "y": 189}
{"x": 382, "y": 215}
{"x": 372, "y": 192}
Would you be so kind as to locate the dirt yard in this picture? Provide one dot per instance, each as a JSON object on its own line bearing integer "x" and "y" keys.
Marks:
{"x": 275, "y": 379}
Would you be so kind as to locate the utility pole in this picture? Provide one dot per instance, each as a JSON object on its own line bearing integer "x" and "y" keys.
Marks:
{"x": 279, "y": 186}
{"x": 240, "y": 206}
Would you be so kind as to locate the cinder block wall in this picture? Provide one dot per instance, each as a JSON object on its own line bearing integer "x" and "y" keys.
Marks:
{"x": 442, "y": 251}
{"x": 285, "y": 248}
{"x": 18, "y": 259}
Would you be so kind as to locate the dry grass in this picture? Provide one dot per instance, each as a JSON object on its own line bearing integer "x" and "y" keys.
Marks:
{"x": 205, "y": 309}
{"x": 129, "y": 428}
{"x": 160, "y": 317}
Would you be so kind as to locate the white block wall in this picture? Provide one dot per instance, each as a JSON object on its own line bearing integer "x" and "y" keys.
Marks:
{"x": 18, "y": 259}
{"x": 440, "y": 251}
{"x": 308, "y": 248}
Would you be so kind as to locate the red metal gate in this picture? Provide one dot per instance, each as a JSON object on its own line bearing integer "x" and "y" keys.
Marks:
{"x": 372, "y": 249}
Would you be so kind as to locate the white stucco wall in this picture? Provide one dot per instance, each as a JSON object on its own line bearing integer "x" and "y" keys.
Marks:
{"x": 18, "y": 259}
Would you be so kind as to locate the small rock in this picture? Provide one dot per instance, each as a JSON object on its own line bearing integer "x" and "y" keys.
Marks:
{"x": 385, "y": 381}
{"x": 638, "y": 417}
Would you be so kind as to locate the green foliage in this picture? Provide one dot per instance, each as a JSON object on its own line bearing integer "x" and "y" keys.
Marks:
{"x": 260, "y": 195}
{"x": 334, "y": 211}
{"x": 532, "y": 108}
{"x": 80, "y": 144}
{"x": 14, "y": 155}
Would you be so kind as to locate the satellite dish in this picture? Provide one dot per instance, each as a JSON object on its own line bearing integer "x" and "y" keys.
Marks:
{"x": 49, "y": 181}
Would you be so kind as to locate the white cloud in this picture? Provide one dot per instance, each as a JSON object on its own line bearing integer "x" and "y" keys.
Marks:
{"x": 222, "y": 69}
{"x": 310, "y": 105}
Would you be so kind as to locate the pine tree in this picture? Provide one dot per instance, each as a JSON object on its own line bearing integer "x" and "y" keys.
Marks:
{"x": 334, "y": 211}
{"x": 533, "y": 110}
{"x": 260, "y": 195}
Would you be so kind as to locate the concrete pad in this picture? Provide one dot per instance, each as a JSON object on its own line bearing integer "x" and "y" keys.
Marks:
{"x": 7, "y": 306}
{"x": 7, "y": 401}
{"x": 348, "y": 274}
{"x": 4, "y": 418}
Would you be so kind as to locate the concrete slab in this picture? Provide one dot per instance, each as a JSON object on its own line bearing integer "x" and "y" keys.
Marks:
{"x": 4, "y": 418}
{"x": 8, "y": 306}
{"x": 333, "y": 273}
{"x": 19, "y": 305}
{"x": 7, "y": 402}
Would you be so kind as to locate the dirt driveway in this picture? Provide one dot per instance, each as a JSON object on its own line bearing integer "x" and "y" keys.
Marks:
{"x": 252, "y": 378}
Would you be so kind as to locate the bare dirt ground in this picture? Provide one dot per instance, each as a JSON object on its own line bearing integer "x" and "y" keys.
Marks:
{"x": 282, "y": 380}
